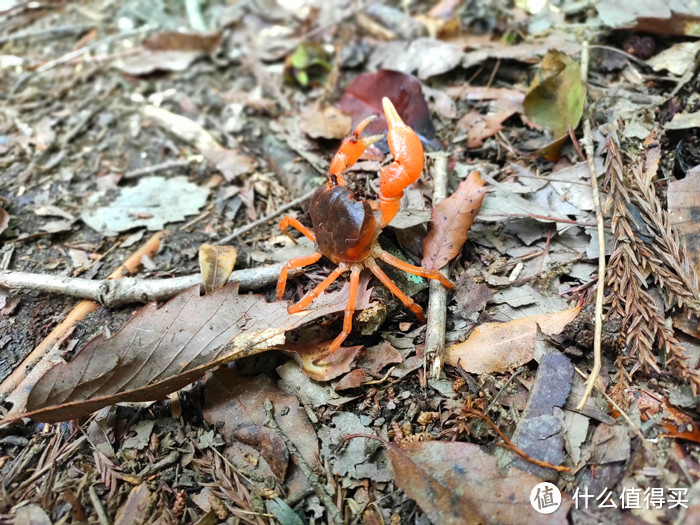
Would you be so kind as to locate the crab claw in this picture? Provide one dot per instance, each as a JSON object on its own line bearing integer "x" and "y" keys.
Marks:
{"x": 407, "y": 150}
{"x": 351, "y": 149}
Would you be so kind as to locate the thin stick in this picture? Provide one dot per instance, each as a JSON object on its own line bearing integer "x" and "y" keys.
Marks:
{"x": 171, "y": 164}
{"x": 81, "y": 310}
{"x": 245, "y": 229}
{"x": 513, "y": 448}
{"x": 590, "y": 152}
{"x": 437, "y": 300}
{"x": 112, "y": 293}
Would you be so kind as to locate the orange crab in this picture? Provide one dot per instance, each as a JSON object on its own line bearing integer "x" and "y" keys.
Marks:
{"x": 345, "y": 227}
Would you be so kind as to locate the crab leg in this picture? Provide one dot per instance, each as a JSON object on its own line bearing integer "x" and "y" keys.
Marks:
{"x": 407, "y": 150}
{"x": 350, "y": 150}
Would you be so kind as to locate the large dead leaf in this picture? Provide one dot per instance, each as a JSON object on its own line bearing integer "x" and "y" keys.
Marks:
{"x": 169, "y": 51}
{"x": 458, "y": 483}
{"x": 161, "y": 350}
{"x": 499, "y": 347}
{"x": 451, "y": 221}
{"x": 363, "y": 98}
{"x": 557, "y": 94}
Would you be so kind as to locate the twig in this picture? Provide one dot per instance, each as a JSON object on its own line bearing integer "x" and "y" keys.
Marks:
{"x": 437, "y": 299}
{"x": 245, "y": 229}
{"x": 112, "y": 293}
{"x": 171, "y": 164}
{"x": 590, "y": 152}
{"x": 617, "y": 407}
{"x": 12, "y": 382}
{"x": 513, "y": 448}
{"x": 327, "y": 500}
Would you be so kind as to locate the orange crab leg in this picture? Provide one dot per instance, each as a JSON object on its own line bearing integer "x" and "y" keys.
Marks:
{"x": 415, "y": 270}
{"x": 391, "y": 285}
{"x": 349, "y": 311}
{"x": 350, "y": 150}
{"x": 298, "y": 262}
{"x": 313, "y": 294}
{"x": 286, "y": 222}
{"x": 407, "y": 150}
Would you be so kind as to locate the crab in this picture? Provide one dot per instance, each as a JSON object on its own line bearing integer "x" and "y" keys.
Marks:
{"x": 346, "y": 227}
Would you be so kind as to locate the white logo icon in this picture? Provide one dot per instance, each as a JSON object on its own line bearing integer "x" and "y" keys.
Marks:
{"x": 545, "y": 498}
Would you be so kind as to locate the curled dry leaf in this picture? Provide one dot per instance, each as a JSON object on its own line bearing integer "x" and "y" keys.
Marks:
{"x": 557, "y": 94}
{"x": 161, "y": 350}
{"x": 451, "y": 221}
{"x": 499, "y": 347}
{"x": 458, "y": 483}
{"x": 216, "y": 264}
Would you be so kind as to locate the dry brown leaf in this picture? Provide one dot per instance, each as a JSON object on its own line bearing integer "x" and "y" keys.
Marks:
{"x": 684, "y": 207}
{"x": 499, "y": 347}
{"x": 451, "y": 220}
{"x": 480, "y": 127}
{"x": 216, "y": 264}
{"x": 169, "y": 51}
{"x": 136, "y": 507}
{"x": 237, "y": 401}
{"x": 326, "y": 123}
{"x": 456, "y": 483}
{"x": 161, "y": 350}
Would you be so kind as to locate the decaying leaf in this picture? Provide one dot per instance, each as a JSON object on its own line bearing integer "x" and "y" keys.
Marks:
{"x": 216, "y": 264}
{"x": 479, "y": 126}
{"x": 499, "y": 347}
{"x": 684, "y": 208}
{"x": 238, "y": 401}
{"x": 363, "y": 98}
{"x": 540, "y": 432}
{"x": 451, "y": 221}
{"x": 169, "y": 51}
{"x": 153, "y": 202}
{"x": 456, "y": 483}
{"x": 327, "y": 123}
{"x": 161, "y": 350}
{"x": 557, "y": 94}
{"x": 136, "y": 507}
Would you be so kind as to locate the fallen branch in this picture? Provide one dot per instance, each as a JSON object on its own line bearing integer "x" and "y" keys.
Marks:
{"x": 40, "y": 355}
{"x": 112, "y": 293}
{"x": 437, "y": 298}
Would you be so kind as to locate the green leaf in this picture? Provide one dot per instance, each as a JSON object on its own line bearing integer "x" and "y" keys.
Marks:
{"x": 557, "y": 94}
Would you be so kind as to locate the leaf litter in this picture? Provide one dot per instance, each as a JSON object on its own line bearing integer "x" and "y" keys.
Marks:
{"x": 220, "y": 94}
